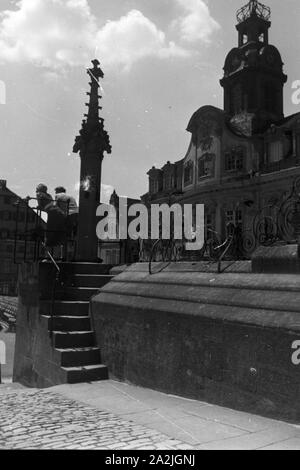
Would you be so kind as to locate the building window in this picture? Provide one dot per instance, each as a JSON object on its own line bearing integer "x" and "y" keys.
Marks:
{"x": 209, "y": 226}
{"x": 274, "y": 151}
{"x": 153, "y": 186}
{"x": 7, "y": 266}
{"x": 206, "y": 165}
{"x": 234, "y": 159}
{"x": 7, "y": 200}
{"x": 188, "y": 173}
{"x": 112, "y": 257}
{"x": 288, "y": 144}
{"x": 21, "y": 217}
{"x": 4, "y": 234}
{"x": 234, "y": 218}
{"x": 6, "y": 216}
{"x": 168, "y": 182}
{"x": 31, "y": 217}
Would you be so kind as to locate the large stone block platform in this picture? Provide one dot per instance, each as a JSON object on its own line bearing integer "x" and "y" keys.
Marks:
{"x": 186, "y": 330}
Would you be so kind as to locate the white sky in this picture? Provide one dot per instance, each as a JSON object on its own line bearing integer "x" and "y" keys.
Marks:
{"x": 162, "y": 60}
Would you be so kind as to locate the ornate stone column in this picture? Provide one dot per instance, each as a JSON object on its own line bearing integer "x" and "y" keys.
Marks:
{"x": 91, "y": 144}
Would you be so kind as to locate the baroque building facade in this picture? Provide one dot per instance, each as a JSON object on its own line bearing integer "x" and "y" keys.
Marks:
{"x": 246, "y": 156}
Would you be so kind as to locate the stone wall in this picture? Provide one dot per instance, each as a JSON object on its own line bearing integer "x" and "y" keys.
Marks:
{"x": 35, "y": 361}
{"x": 225, "y": 339}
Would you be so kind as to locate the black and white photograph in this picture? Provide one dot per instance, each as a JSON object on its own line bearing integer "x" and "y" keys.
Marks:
{"x": 149, "y": 228}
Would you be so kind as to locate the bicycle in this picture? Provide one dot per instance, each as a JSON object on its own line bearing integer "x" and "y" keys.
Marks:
{"x": 164, "y": 251}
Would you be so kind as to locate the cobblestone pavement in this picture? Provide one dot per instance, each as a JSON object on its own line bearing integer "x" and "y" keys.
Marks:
{"x": 39, "y": 419}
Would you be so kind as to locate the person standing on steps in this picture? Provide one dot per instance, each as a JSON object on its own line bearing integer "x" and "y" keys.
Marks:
{"x": 44, "y": 200}
{"x": 69, "y": 207}
{"x": 56, "y": 222}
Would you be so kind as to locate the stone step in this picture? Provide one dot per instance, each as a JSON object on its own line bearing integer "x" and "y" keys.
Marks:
{"x": 76, "y": 293}
{"x": 65, "y": 307}
{"x": 90, "y": 280}
{"x": 207, "y": 266}
{"x": 73, "y": 339}
{"x": 74, "y": 357}
{"x": 69, "y": 323}
{"x": 183, "y": 290}
{"x": 86, "y": 373}
{"x": 85, "y": 268}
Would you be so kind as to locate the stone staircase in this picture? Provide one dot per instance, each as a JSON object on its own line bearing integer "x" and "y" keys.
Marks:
{"x": 73, "y": 339}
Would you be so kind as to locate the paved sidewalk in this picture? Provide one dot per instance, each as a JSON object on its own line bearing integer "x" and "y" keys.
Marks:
{"x": 117, "y": 416}
{"x": 201, "y": 425}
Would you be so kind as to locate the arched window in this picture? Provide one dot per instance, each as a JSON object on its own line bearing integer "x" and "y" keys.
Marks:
{"x": 206, "y": 165}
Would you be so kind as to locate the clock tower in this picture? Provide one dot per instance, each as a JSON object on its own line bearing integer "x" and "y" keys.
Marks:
{"x": 253, "y": 73}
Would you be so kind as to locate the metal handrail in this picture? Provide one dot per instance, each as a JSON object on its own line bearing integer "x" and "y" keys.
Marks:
{"x": 229, "y": 242}
{"x": 33, "y": 232}
{"x": 27, "y": 234}
{"x": 55, "y": 283}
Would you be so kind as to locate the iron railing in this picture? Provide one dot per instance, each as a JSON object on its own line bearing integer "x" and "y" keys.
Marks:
{"x": 53, "y": 293}
{"x": 34, "y": 236}
{"x": 270, "y": 224}
{"x": 32, "y": 233}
